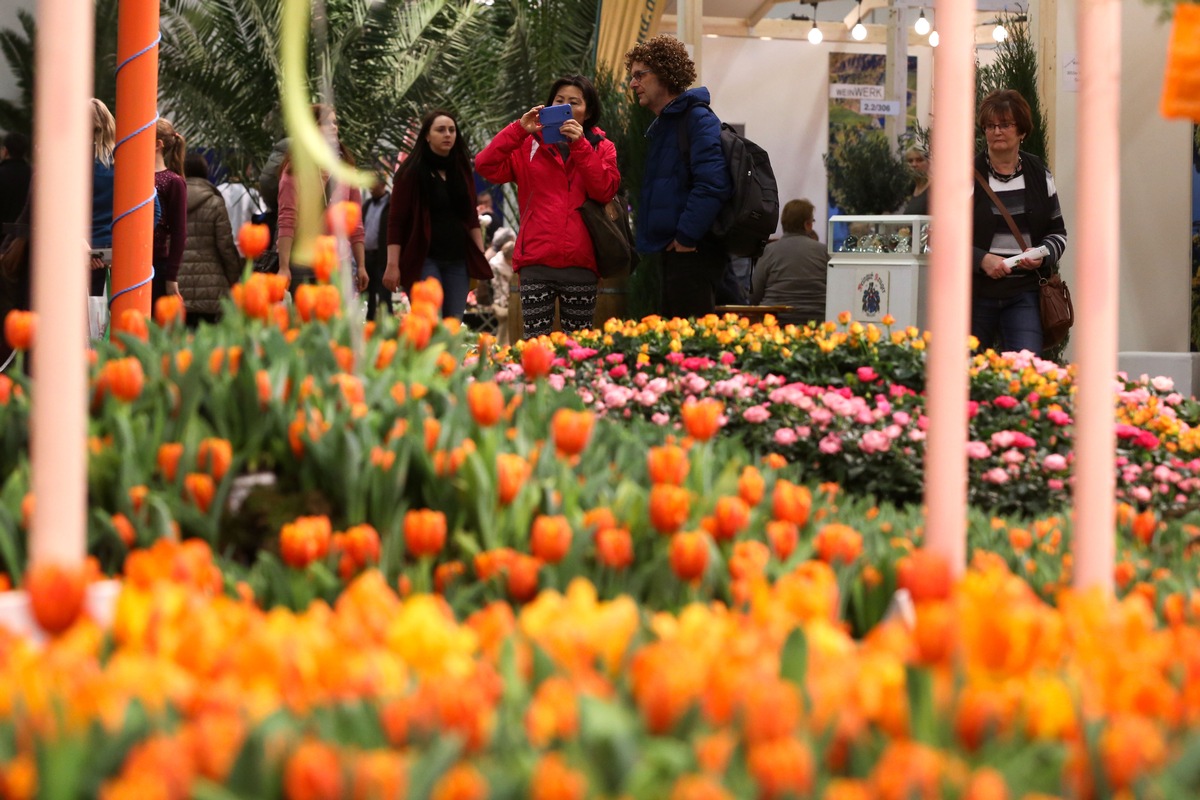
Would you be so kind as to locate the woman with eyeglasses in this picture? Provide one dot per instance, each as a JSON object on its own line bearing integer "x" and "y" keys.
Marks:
{"x": 1005, "y": 312}
{"x": 554, "y": 259}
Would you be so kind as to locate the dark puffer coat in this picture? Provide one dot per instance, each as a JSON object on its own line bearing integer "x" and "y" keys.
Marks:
{"x": 210, "y": 261}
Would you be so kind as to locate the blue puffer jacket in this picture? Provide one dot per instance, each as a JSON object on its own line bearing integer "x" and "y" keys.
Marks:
{"x": 671, "y": 206}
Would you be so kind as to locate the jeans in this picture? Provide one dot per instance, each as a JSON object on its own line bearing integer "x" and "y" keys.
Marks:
{"x": 1009, "y": 323}
{"x": 689, "y": 281}
{"x": 455, "y": 284}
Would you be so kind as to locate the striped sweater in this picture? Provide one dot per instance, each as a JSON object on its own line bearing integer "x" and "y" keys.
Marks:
{"x": 1032, "y": 200}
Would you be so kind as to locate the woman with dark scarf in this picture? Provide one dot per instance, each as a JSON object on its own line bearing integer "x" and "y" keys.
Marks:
{"x": 433, "y": 227}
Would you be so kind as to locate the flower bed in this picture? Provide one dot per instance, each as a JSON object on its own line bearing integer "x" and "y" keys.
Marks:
{"x": 416, "y": 535}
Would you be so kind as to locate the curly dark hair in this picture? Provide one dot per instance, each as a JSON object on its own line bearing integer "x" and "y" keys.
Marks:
{"x": 667, "y": 58}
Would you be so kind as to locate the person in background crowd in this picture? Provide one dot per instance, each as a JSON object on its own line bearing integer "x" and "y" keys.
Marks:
{"x": 296, "y": 274}
{"x": 433, "y": 225}
{"x": 554, "y": 258}
{"x": 918, "y": 161}
{"x": 375, "y": 215}
{"x": 104, "y": 141}
{"x": 681, "y": 195}
{"x": 489, "y": 220}
{"x": 210, "y": 258}
{"x": 14, "y": 177}
{"x": 242, "y": 203}
{"x": 502, "y": 275}
{"x": 1005, "y": 308}
{"x": 794, "y": 269}
{"x": 170, "y": 233}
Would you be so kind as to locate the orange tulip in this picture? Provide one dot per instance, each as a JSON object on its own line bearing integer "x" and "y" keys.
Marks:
{"x": 132, "y": 322}
{"x": 19, "y": 328}
{"x": 169, "y": 310}
{"x": 702, "y": 418}
{"x": 305, "y": 540}
{"x": 669, "y": 507}
{"x": 571, "y": 430}
{"x": 667, "y": 464}
{"x": 253, "y": 240}
{"x": 614, "y": 548}
{"x": 751, "y": 486}
{"x": 791, "y": 503}
{"x": 427, "y": 291}
{"x": 925, "y": 575}
{"x": 783, "y": 537}
{"x": 536, "y": 360}
{"x": 305, "y": 300}
{"x": 731, "y": 516}
{"x": 329, "y": 303}
{"x": 523, "y": 577}
{"x": 689, "y": 555}
{"x": 416, "y": 329}
{"x": 424, "y": 532}
{"x": 168, "y": 457}
{"x": 447, "y": 573}
{"x": 838, "y": 543}
{"x": 550, "y": 539}
{"x": 986, "y": 784}
{"x": 324, "y": 258}
{"x": 554, "y": 780}
{"x": 313, "y": 772}
{"x": 699, "y": 787}
{"x": 124, "y": 529}
{"x": 378, "y": 773}
{"x": 215, "y": 456}
{"x": 200, "y": 489}
{"x": 1144, "y": 526}
{"x": 782, "y": 768}
{"x": 124, "y": 378}
{"x": 462, "y": 782}
{"x": 486, "y": 402}
{"x": 6, "y": 390}
{"x": 1181, "y": 86}
{"x": 56, "y": 594}
{"x": 343, "y": 218}
{"x": 511, "y": 473}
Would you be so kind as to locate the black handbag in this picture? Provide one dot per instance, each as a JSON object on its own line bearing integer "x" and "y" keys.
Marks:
{"x": 612, "y": 238}
{"x": 268, "y": 262}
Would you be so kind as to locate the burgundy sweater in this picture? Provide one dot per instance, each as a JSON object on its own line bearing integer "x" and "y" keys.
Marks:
{"x": 170, "y": 234}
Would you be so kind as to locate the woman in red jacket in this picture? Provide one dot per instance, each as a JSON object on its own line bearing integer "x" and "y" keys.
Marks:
{"x": 554, "y": 259}
{"x": 433, "y": 228}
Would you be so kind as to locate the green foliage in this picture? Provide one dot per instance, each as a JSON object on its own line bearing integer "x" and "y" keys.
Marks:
{"x": 18, "y": 48}
{"x": 220, "y": 69}
{"x": 1016, "y": 67}
{"x": 865, "y": 175}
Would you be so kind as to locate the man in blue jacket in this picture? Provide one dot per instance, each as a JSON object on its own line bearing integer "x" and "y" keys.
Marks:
{"x": 681, "y": 193}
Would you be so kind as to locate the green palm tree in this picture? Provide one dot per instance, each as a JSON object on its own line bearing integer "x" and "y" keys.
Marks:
{"x": 219, "y": 68}
{"x": 18, "y": 45}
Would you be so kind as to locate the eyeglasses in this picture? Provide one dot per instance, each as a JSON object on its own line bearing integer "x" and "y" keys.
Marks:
{"x": 1000, "y": 127}
{"x": 639, "y": 74}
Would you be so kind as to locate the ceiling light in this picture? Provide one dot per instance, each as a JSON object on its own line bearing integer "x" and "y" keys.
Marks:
{"x": 859, "y": 32}
{"x": 814, "y": 33}
{"x": 922, "y": 26}
{"x": 999, "y": 33}
{"x": 934, "y": 39}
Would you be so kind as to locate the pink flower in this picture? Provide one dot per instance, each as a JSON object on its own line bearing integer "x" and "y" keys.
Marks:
{"x": 874, "y": 442}
{"x": 1163, "y": 383}
{"x": 675, "y": 358}
{"x": 901, "y": 418}
{"x": 756, "y": 414}
{"x": 1059, "y": 417}
{"x": 977, "y": 450}
{"x": 1055, "y": 462}
{"x": 830, "y": 444}
{"x": 1141, "y": 494}
{"x": 785, "y": 437}
{"x": 615, "y": 358}
{"x": 996, "y": 475}
{"x": 728, "y": 358}
{"x": 1012, "y": 457}
{"x": 803, "y": 431}
{"x": 1055, "y": 483}
{"x": 866, "y": 374}
{"x": 1005, "y": 401}
{"x": 619, "y": 371}
{"x": 1146, "y": 439}
{"x": 660, "y": 419}
{"x": 581, "y": 353}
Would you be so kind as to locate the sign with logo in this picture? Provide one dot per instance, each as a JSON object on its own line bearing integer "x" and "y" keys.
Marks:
{"x": 855, "y": 91}
{"x": 871, "y": 294}
{"x": 880, "y": 108}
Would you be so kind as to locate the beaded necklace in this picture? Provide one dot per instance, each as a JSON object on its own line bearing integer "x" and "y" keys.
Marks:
{"x": 1002, "y": 177}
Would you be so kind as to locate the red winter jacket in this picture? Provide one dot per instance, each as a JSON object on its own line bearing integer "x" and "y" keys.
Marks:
{"x": 550, "y": 193}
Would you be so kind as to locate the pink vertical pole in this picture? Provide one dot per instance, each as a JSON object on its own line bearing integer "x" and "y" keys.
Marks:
{"x": 949, "y": 288}
{"x": 1099, "y": 35}
{"x": 62, "y": 128}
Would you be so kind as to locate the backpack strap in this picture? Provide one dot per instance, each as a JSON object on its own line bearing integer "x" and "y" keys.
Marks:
{"x": 685, "y": 142}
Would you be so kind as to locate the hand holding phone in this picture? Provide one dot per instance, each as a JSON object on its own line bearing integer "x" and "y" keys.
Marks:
{"x": 552, "y": 118}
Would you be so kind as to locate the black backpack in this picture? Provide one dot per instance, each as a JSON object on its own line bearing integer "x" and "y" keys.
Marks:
{"x": 751, "y": 214}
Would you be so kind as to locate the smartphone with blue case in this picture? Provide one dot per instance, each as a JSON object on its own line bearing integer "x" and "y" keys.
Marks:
{"x": 552, "y": 118}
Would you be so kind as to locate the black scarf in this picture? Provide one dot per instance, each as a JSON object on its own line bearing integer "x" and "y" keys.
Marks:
{"x": 454, "y": 179}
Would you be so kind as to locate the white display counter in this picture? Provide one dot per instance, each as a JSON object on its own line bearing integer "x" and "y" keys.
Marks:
{"x": 878, "y": 266}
